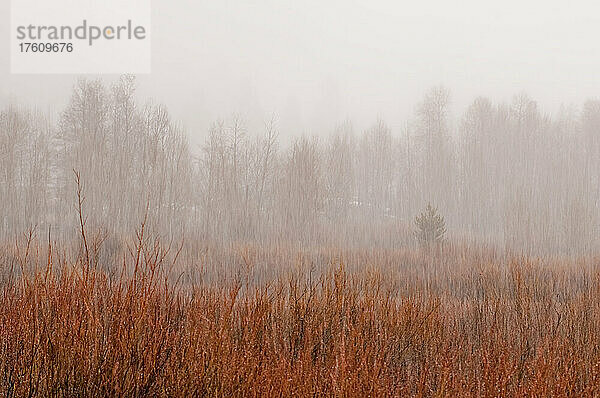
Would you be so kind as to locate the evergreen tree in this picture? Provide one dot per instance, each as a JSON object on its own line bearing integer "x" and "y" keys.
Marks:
{"x": 431, "y": 226}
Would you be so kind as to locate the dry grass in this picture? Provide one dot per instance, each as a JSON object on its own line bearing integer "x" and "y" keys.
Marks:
{"x": 396, "y": 323}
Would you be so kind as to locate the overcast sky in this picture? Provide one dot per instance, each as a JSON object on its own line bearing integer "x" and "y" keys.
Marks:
{"x": 315, "y": 63}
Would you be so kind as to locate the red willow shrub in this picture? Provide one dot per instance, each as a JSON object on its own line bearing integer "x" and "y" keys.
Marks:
{"x": 457, "y": 325}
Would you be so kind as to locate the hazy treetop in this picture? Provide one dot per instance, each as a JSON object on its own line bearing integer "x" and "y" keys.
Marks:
{"x": 316, "y": 63}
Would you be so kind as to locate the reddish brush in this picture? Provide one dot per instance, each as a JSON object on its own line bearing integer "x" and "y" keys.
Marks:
{"x": 70, "y": 329}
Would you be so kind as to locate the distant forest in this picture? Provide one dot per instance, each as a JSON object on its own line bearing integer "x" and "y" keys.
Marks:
{"x": 510, "y": 175}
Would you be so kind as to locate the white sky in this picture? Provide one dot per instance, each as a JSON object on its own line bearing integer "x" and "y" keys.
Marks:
{"x": 315, "y": 63}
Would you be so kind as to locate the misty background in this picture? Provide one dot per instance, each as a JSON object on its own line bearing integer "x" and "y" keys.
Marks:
{"x": 314, "y": 64}
{"x": 332, "y": 123}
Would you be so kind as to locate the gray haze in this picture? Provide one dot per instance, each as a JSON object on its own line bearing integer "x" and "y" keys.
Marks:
{"x": 316, "y": 63}
{"x": 322, "y": 124}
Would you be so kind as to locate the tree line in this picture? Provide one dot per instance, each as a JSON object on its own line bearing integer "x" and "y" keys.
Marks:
{"x": 506, "y": 174}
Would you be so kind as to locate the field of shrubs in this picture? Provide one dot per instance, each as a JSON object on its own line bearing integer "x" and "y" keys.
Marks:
{"x": 290, "y": 321}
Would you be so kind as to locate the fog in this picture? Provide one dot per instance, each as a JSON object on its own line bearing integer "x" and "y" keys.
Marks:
{"x": 314, "y": 64}
{"x": 313, "y": 122}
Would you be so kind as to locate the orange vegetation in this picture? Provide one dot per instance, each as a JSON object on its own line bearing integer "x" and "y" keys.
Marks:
{"x": 345, "y": 323}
